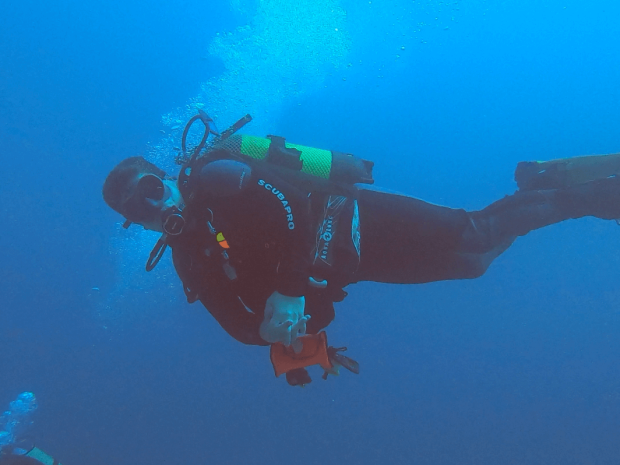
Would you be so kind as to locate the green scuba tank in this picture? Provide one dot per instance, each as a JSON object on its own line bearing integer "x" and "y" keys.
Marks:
{"x": 311, "y": 168}
{"x": 321, "y": 166}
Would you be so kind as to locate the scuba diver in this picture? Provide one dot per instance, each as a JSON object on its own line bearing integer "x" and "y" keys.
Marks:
{"x": 31, "y": 456}
{"x": 267, "y": 234}
{"x": 16, "y": 448}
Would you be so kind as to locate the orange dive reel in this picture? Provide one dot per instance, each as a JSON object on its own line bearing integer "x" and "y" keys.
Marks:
{"x": 314, "y": 352}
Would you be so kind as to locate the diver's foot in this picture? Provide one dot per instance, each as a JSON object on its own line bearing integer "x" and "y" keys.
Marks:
{"x": 599, "y": 198}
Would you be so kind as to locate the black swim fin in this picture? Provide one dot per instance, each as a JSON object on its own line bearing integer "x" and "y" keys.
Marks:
{"x": 565, "y": 172}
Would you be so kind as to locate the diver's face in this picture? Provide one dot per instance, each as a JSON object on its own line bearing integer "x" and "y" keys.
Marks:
{"x": 151, "y": 196}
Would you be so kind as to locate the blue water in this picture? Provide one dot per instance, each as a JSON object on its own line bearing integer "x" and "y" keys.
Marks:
{"x": 517, "y": 367}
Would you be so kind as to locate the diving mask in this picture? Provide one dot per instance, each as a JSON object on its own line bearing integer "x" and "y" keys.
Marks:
{"x": 144, "y": 201}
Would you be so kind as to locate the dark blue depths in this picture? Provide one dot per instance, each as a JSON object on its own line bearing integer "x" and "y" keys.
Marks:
{"x": 519, "y": 366}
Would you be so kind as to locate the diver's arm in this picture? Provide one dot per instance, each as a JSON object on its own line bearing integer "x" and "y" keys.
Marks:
{"x": 234, "y": 317}
{"x": 215, "y": 292}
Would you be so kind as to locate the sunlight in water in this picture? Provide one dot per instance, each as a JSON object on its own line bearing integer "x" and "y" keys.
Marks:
{"x": 285, "y": 50}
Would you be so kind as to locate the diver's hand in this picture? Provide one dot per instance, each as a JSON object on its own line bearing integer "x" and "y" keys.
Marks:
{"x": 284, "y": 319}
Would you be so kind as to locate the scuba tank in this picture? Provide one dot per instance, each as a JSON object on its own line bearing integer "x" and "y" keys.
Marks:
{"x": 317, "y": 167}
{"x": 310, "y": 168}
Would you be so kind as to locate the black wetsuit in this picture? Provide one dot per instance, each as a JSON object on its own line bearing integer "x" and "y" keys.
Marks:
{"x": 406, "y": 240}
{"x": 273, "y": 228}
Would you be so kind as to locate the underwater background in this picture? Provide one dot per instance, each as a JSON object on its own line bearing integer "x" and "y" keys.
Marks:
{"x": 519, "y": 366}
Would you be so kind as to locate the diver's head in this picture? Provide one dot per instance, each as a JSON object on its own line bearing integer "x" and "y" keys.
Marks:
{"x": 141, "y": 192}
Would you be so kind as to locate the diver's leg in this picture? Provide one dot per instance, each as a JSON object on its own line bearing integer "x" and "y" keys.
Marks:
{"x": 506, "y": 219}
{"x": 517, "y": 214}
{"x": 406, "y": 240}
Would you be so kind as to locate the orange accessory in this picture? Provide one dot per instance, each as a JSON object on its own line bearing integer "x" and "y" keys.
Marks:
{"x": 314, "y": 352}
